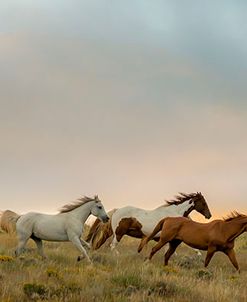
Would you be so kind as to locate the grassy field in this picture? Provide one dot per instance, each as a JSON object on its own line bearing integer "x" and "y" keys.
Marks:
{"x": 122, "y": 277}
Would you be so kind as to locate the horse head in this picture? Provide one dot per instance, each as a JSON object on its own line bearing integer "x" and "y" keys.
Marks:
{"x": 200, "y": 205}
{"x": 98, "y": 209}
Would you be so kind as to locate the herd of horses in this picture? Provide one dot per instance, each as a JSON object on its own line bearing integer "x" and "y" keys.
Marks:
{"x": 169, "y": 223}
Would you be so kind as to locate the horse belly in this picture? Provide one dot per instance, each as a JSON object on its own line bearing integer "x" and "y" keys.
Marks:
{"x": 50, "y": 230}
{"x": 134, "y": 222}
{"x": 197, "y": 246}
{"x": 148, "y": 227}
{"x": 196, "y": 242}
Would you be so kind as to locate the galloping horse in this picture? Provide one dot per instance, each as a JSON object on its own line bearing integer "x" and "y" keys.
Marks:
{"x": 218, "y": 235}
{"x": 138, "y": 223}
{"x": 67, "y": 225}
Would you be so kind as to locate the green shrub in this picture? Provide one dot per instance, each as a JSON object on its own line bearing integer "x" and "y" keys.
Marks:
{"x": 35, "y": 291}
{"x": 204, "y": 274}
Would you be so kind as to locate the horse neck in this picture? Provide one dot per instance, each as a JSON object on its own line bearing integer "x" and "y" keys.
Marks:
{"x": 182, "y": 209}
{"x": 82, "y": 212}
{"x": 235, "y": 228}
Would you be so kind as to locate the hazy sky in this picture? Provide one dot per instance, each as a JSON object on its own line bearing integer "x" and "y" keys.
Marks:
{"x": 131, "y": 100}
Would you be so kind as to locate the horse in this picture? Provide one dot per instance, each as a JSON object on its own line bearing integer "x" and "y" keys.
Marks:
{"x": 67, "y": 225}
{"x": 138, "y": 223}
{"x": 217, "y": 235}
{"x": 7, "y": 223}
{"x": 99, "y": 230}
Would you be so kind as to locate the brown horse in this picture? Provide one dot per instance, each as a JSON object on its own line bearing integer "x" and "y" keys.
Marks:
{"x": 218, "y": 235}
{"x": 99, "y": 232}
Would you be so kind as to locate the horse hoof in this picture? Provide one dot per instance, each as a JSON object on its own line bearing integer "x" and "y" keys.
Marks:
{"x": 78, "y": 258}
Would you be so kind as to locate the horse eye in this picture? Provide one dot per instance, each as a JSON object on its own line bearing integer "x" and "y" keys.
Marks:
{"x": 100, "y": 207}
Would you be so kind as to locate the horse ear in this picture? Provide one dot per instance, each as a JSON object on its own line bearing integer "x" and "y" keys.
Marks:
{"x": 96, "y": 197}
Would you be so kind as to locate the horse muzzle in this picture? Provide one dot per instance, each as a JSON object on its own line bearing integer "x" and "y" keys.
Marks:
{"x": 105, "y": 219}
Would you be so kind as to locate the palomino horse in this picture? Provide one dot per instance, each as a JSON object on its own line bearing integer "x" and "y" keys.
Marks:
{"x": 218, "y": 235}
{"x": 65, "y": 226}
{"x": 136, "y": 222}
{"x": 7, "y": 223}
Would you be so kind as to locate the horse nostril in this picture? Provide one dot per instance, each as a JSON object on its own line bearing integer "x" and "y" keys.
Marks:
{"x": 106, "y": 219}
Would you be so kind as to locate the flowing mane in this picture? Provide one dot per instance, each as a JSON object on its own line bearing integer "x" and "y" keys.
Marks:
{"x": 182, "y": 198}
{"x": 76, "y": 204}
{"x": 234, "y": 215}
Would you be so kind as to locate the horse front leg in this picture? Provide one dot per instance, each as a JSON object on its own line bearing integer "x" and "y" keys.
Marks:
{"x": 75, "y": 239}
{"x": 210, "y": 253}
{"x": 231, "y": 255}
{"x": 86, "y": 244}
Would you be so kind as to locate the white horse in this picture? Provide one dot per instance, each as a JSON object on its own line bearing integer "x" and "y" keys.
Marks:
{"x": 67, "y": 225}
{"x": 136, "y": 222}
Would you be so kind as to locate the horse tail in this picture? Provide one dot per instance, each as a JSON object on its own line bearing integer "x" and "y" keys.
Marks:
{"x": 151, "y": 236}
{"x": 8, "y": 221}
{"x": 100, "y": 232}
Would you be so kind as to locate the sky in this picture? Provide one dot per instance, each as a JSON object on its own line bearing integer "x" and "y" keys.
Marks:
{"x": 131, "y": 100}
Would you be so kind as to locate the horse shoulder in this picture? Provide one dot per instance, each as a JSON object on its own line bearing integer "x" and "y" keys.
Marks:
{"x": 73, "y": 222}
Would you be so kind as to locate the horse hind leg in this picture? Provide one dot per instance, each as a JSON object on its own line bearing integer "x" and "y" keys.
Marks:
{"x": 156, "y": 248}
{"x": 39, "y": 245}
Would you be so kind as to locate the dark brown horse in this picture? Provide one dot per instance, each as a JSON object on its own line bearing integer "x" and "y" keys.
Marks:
{"x": 218, "y": 235}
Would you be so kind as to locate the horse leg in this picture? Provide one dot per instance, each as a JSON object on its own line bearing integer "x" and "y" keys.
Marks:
{"x": 21, "y": 245}
{"x": 77, "y": 242}
{"x": 125, "y": 226}
{"x": 210, "y": 253}
{"x": 231, "y": 255}
{"x": 114, "y": 244}
{"x": 157, "y": 247}
{"x": 172, "y": 247}
{"x": 39, "y": 245}
{"x": 86, "y": 244}
{"x": 118, "y": 235}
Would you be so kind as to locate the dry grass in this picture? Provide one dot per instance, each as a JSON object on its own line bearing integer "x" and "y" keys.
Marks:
{"x": 122, "y": 277}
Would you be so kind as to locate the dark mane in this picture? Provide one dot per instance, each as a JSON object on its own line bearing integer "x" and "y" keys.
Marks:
{"x": 182, "y": 198}
{"x": 234, "y": 215}
{"x": 76, "y": 204}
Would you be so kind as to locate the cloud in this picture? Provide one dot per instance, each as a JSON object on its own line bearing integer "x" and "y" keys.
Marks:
{"x": 134, "y": 104}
